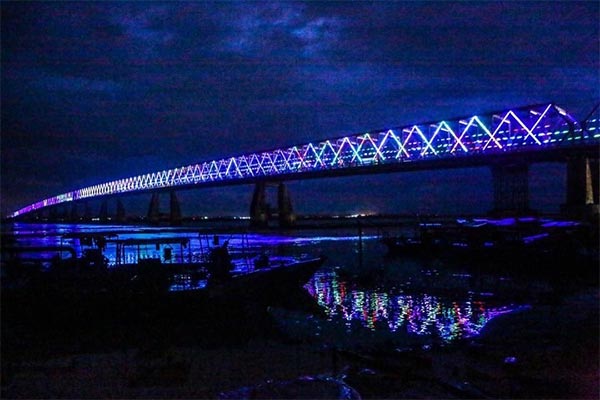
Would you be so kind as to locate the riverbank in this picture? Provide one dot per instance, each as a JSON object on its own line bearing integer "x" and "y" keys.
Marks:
{"x": 529, "y": 354}
{"x": 150, "y": 348}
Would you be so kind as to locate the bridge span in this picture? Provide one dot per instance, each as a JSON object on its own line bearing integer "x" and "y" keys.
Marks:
{"x": 507, "y": 141}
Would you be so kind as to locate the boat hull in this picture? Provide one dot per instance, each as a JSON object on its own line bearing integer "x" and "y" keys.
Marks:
{"x": 267, "y": 282}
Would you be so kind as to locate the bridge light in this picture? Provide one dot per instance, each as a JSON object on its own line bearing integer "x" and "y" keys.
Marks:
{"x": 561, "y": 111}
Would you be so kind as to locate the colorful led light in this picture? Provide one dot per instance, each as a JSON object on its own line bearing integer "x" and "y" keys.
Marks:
{"x": 507, "y": 131}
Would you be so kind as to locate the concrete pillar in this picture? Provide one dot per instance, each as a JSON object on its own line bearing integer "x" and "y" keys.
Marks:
{"x": 30, "y": 217}
{"x": 511, "y": 189}
{"x": 103, "y": 214}
{"x": 284, "y": 205}
{"x": 87, "y": 213}
{"x": 120, "y": 217}
{"x": 153, "y": 210}
{"x": 582, "y": 188}
{"x": 259, "y": 209}
{"x": 52, "y": 214}
{"x": 37, "y": 215}
{"x": 74, "y": 216}
{"x": 175, "y": 210}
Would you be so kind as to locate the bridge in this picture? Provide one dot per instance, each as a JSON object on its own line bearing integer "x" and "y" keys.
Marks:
{"x": 507, "y": 141}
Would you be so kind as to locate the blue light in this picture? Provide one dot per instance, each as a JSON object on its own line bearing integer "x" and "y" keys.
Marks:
{"x": 515, "y": 128}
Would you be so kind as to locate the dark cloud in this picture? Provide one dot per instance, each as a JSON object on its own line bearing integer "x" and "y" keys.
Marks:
{"x": 98, "y": 91}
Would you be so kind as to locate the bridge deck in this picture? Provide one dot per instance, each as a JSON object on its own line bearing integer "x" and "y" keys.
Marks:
{"x": 538, "y": 132}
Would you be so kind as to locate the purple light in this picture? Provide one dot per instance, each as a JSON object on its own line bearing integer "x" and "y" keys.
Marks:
{"x": 533, "y": 238}
{"x": 423, "y": 315}
{"x": 517, "y": 129}
{"x": 560, "y": 224}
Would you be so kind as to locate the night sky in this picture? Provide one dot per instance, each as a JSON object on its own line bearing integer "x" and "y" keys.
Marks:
{"x": 93, "y": 92}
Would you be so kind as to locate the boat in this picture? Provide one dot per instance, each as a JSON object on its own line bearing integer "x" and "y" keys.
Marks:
{"x": 503, "y": 242}
{"x": 170, "y": 268}
{"x": 275, "y": 278}
{"x": 214, "y": 271}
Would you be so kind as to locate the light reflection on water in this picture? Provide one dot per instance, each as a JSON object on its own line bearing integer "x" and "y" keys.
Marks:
{"x": 240, "y": 244}
{"x": 185, "y": 282}
{"x": 421, "y": 314}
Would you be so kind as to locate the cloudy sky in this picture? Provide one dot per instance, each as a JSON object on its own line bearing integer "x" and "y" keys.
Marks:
{"x": 93, "y": 92}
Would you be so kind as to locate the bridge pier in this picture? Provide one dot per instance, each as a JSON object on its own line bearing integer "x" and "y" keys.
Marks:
{"x": 154, "y": 209}
{"x": 260, "y": 210}
{"x": 120, "y": 216}
{"x": 582, "y": 200}
{"x": 284, "y": 204}
{"x": 511, "y": 189}
{"x": 74, "y": 216}
{"x": 35, "y": 216}
{"x": 87, "y": 213}
{"x": 154, "y": 215}
{"x": 174, "y": 209}
{"x": 103, "y": 214}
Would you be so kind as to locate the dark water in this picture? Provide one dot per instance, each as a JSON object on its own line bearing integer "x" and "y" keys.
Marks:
{"x": 424, "y": 326}
{"x": 360, "y": 290}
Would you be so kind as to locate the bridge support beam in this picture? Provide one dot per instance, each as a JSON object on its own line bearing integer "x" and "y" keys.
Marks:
{"x": 120, "y": 217}
{"x": 261, "y": 212}
{"x": 154, "y": 209}
{"x": 103, "y": 214}
{"x": 511, "y": 189}
{"x": 154, "y": 216}
{"x": 284, "y": 204}
{"x": 259, "y": 209}
{"x": 174, "y": 209}
{"x": 37, "y": 215}
{"x": 74, "y": 216}
{"x": 583, "y": 176}
{"x": 87, "y": 213}
{"x": 52, "y": 213}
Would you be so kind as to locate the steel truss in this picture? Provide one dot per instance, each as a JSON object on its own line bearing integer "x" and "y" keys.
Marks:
{"x": 538, "y": 127}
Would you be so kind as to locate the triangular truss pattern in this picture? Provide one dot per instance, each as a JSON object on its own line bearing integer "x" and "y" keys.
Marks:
{"x": 531, "y": 128}
{"x": 311, "y": 155}
{"x": 346, "y": 153}
{"x": 591, "y": 124}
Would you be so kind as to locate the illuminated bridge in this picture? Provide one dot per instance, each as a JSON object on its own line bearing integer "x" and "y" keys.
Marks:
{"x": 507, "y": 141}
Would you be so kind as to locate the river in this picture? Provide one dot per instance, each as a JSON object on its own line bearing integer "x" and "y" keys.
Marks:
{"x": 360, "y": 288}
{"x": 389, "y": 326}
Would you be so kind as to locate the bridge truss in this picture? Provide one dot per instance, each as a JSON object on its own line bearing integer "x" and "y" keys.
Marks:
{"x": 524, "y": 129}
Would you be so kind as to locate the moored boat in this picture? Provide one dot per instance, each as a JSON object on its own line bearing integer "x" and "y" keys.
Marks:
{"x": 172, "y": 268}
{"x": 266, "y": 282}
{"x": 89, "y": 300}
{"x": 506, "y": 242}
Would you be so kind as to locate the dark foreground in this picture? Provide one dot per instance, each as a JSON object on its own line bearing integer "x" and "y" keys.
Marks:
{"x": 150, "y": 344}
{"x": 200, "y": 352}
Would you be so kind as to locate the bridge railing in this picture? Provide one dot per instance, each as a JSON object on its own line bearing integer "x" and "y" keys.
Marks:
{"x": 522, "y": 129}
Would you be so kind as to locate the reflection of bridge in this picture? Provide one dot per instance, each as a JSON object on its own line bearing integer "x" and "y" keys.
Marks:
{"x": 507, "y": 141}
